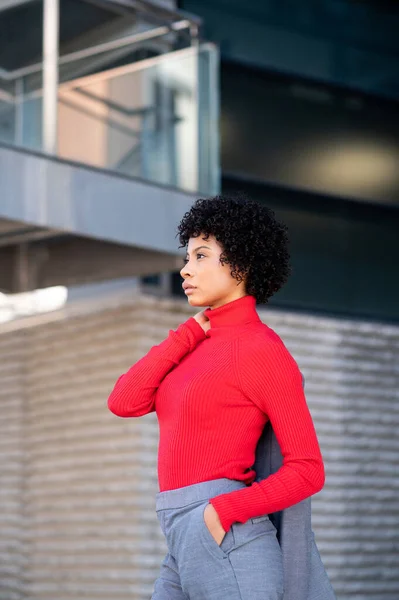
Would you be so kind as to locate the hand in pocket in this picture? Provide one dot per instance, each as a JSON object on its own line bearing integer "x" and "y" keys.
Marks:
{"x": 213, "y": 524}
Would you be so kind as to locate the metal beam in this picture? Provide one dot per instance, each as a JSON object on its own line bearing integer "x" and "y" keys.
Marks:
{"x": 6, "y": 4}
{"x": 51, "y": 27}
{"x": 27, "y": 234}
{"x": 158, "y": 12}
{"x": 104, "y": 47}
{"x": 42, "y": 264}
{"x": 84, "y": 205}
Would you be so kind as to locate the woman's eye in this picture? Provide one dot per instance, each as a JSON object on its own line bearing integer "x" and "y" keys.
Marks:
{"x": 185, "y": 260}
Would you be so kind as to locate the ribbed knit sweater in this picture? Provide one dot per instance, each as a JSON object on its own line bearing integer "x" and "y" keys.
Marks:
{"x": 213, "y": 393}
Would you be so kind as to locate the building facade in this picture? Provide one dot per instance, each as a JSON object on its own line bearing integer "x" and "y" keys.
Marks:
{"x": 78, "y": 484}
{"x": 102, "y": 150}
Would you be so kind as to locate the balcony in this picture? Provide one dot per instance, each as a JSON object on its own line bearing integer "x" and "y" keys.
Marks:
{"x": 101, "y": 162}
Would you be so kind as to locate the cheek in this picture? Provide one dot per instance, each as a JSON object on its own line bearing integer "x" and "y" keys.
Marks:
{"x": 214, "y": 275}
{"x": 224, "y": 274}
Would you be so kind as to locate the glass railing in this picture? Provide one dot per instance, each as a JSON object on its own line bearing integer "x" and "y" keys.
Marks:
{"x": 155, "y": 119}
{"x": 8, "y": 133}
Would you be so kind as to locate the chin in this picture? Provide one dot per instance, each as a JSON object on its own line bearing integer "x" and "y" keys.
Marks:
{"x": 196, "y": 301}
{"x": 193, "y": 302}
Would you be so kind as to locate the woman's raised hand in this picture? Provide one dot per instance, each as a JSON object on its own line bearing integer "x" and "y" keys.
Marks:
{"x": 202, "y": 320}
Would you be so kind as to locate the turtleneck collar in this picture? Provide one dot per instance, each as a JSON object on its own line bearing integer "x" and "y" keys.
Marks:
{"x": 237, "y": 312}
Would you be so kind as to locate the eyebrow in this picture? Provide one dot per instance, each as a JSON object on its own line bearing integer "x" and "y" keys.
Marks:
{"x": 199, "y": 248}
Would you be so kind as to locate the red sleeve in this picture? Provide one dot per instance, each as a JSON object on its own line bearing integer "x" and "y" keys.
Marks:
{"x": 134, "y": 392}
{"x": 269, "y": 376}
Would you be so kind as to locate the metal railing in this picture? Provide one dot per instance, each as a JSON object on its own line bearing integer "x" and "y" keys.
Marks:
{"x": 52, "y": 61}
{"x": 130, "y": 40}
{"x": 167, "y": 134}
{"x": 156, "y": 119}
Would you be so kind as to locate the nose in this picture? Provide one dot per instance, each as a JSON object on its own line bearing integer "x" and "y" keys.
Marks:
{"x": 185, "y": 271}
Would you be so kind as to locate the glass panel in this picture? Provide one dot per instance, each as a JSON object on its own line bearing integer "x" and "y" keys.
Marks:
{"x": 21, "y": 52}
{"x": 21, "y": 112}
{"x": 7, "y": 113}
{"x": 31, "y": 110}
{"x": 157, "y": 119}
{"x": 208, "y": 122}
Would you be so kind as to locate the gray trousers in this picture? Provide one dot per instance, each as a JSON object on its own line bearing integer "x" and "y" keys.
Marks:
{"x": 247, "y": 565}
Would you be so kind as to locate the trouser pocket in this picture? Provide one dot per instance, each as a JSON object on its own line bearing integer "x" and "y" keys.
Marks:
{"x": 257, "y": 558}
{"x": 253, "y": 528}
{"x": 227, "y": 543}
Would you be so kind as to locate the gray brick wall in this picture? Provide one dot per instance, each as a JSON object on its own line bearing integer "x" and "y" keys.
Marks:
{"x": 78, "y": 484}
{"x": 13, "y": 551}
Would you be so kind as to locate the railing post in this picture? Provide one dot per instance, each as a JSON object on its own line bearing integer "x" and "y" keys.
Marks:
{"x": 50, "y": 74}
{"x": 19, "y": 112}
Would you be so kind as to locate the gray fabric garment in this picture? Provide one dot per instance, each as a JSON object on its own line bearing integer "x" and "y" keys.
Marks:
{"x": 305, "y": 577}
{"x": 247, "y": 565}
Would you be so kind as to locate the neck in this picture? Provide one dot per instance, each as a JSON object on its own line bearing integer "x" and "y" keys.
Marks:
{"x": 237, "y": 312}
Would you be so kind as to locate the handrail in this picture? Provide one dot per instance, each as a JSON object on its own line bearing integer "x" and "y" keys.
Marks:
{"x": 147, "y": 7}
{"x": 150, "y": 8}
{"x": 113, "y": 72}
{"x": 104, "y": 47}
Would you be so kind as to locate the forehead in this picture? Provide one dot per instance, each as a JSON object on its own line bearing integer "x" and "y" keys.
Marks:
{"x": 194, "y": 242}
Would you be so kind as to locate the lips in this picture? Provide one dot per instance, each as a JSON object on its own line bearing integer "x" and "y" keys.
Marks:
{"x": 188, "y": 287}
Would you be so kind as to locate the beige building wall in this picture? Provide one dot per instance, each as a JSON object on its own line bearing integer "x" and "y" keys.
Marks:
{"x": 78, "y": 484}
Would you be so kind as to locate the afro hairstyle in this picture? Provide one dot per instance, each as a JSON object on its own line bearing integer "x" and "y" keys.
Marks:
{"x": 253, "y": 241}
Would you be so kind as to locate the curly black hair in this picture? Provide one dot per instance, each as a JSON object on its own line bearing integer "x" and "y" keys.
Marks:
{"x": 254, "y": 242}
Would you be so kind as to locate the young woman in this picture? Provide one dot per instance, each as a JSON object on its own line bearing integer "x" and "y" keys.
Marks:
{"x": 214, "y": 383}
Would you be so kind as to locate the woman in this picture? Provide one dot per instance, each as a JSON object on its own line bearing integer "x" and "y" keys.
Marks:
{"x": 214, "y": 382}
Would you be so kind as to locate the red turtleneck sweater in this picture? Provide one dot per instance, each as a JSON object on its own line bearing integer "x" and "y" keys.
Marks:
{"x": 213, "y": 393}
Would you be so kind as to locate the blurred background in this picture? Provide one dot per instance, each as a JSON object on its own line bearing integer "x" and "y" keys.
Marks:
{"x": 114, "y": 116}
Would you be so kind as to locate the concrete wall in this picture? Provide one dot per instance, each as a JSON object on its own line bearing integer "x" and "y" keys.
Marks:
{"x": 88, "y": 212}
{"x": 78, "y": 485}
{"x": 14, "y": 554}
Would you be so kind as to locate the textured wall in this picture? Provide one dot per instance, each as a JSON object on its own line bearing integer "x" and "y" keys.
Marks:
{"x": 13, "y": 551}
{"x": 78, "y": 484}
